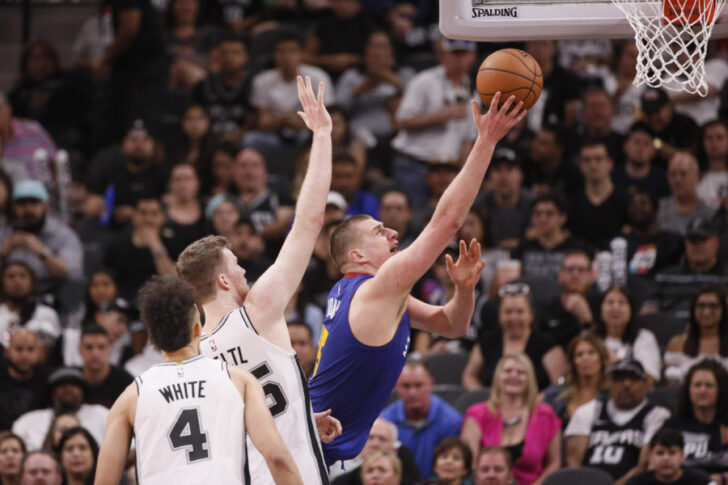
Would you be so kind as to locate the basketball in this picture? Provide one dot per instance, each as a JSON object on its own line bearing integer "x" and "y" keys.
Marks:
{"x": 512, "y": 72}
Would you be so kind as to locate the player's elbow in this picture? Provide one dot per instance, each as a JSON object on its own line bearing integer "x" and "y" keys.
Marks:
{"x": 281, "y": 460}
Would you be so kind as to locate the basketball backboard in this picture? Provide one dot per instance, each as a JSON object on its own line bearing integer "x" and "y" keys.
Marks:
{"x": 515, "y": 20}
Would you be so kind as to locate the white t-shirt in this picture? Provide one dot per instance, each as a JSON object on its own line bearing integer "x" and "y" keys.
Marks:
{"x": 33, "y": 425}
{"x": 271, "y": 91}
{"x": 645, "y": 350}
{"x": 705, "y": 109}
{"x": 713, "y": 187}
{"x": 44, "y": 323}
{"x": 583, "y": 419}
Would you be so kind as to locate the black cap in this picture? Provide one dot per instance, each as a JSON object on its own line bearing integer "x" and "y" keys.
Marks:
{"x": 653, "y": 99}
{"x": 505, "y": 155}
{"x": 67, "y": 375}
{"x": 122, "y": 306}
{"x": 628, "y": 365}
{"x": 444, "y": 165}
{"x": 700, "y": 227}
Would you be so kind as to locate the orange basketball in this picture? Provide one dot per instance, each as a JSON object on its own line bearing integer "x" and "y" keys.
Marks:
{"x": 512, "y": 72}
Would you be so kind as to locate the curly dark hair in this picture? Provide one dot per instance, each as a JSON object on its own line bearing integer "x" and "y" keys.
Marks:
{"x": 167, "y": 307}
{"x": 693, "y": 341}
{"x": 685, "y": 406}
{"x": 632, "y": 329}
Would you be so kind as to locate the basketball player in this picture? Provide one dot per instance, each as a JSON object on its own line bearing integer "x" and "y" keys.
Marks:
{"x": 364, "y": 342}
{"x": 254, "y": 335}
{"x": 189, "y": 414}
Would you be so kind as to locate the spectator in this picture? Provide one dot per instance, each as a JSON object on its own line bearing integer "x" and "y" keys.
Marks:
{"x": 24, "y": 146}
{"x": 101, "y": 290}
{"x": 21, "y": 309}
{"x": 547, "y": 169}
{"x": 432, "y": 118}
{"x": 626, "y": 94}
{"x": 452, "y": 461}
{"x": 506, "y": 203}
{"x": 59, "y": 425}
{"x": 666, "y": 459}
{"x": 222, "y": 213}
{"x": 67, "y": 391}
{"x": 381, "y": 468}
{"x": 671, "y": 131}
{"x": 513, "y": 418}
{"x": 706, "y": 335}
{"x": 713, "y": 186}
{"x": 105, "y": 382}
{"x": 677, "y": 284}
{"x": 217, "y": 178}
{"x": 356, "y": 142}
{"x": 40, "y": 468}
{"x": 649, "y": 249}
{"x": 322, "y": 273}
{"x": 613, "y": 435}
{"x": 542, "y": 254}
{"x": 413, "y": 27}
{"x": 270, "y": 212}
{"x": 346, "y": 179}
{"x": 622, "y": 336}
{"x": 185, "y": 220}
{"x": 677, "y": 210}
{"x": 702, "y": 405}
{"x": 189, "y": 40}
{"x": 395, "y": 212}
{"x": 275, "y": 96}
{"x": 195, "y": 143}
{"x": 423, "y": 419}
{"x": 78, "y": 454}
{"x": 50, "y": 248}
{"x": 638, "y": 171}
{"x": 303, "y": 344}
{"x": 12, "y": 451}
{"x": 493, "y": 466}
{"x": 138, "y": 254}
{"x": 585, "y": 378}
{"x": 248, "y": 246}
{"x": 438, "y": 178}
{"x": 597, "y": 112}
{"x": 599, "y": 209}
{"x": 22, "y": 378}
{"x": 225, "y": 94}
{"x": 516, "y": 334}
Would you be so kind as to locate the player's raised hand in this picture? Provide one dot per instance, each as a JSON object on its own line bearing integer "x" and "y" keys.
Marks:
{"x": 328, "y": 426}
{"x": 314, "y": 112}
{"x": 497, "y": 122}
{"x": 465, "y": 273}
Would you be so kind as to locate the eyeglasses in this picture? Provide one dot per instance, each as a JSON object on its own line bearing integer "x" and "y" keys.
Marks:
{"x": 513, "y": 289}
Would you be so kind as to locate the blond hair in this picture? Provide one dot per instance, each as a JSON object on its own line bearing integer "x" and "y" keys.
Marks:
{"x": 393, "y": 459}
{"x": 200, "y": 263}
{"x": 343, "y": 238}
{"x": 494, "y": 401}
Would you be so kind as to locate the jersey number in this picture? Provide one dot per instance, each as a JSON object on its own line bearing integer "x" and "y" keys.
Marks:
{"x": 272, "y": 390}
{"x": 186, "y": 433}
{"x": 610, "y": 455}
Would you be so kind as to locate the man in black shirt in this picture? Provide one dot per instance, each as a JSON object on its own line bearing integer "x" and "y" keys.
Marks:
{"x": 672, "y": 131}
{"x": 597, "y": 113}
{"x": 548, "y": 170}
{"x": 666, "y": 458}
{"x": 105, "y": 382}
{"x": 638, "y": 171}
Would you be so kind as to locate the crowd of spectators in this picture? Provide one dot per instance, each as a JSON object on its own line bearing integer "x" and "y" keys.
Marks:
{"x": 601, "y": 312}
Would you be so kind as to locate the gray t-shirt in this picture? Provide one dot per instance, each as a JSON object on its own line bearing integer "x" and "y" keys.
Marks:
{"x": 669, "y": 219}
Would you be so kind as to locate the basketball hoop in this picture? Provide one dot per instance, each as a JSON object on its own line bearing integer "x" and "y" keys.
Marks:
{"x": 672, "y": 39}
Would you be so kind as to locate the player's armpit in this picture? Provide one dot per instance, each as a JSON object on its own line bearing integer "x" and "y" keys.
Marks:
{"x": 115, "y": 448}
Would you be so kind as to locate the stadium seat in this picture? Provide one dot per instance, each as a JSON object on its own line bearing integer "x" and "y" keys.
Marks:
{"x": 663, "y": 325}
{"x": 449, "y": 393}
{"x": 665, "y": 396}
{"x": 469, "y": 398}
{"x": 572, "y": 476}
{"x": 447, "y": 368}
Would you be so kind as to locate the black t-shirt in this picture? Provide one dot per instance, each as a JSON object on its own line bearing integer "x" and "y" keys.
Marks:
{"x": 562, "y": 325}
{"x": 262, "y": 211}
{"x": 646, "y": 256}
{"x": 689, "y": 477}
{"x": 129, "y": 187}
{"x": 344, "y": 35}
{"x": 176, "y": 237}
{"x": 706, "y": 445}
{"x": 682, "y": 132}
{"x": 148, "y": 44}
{"x": 597, "y": 224}
{"x": 132, "y": 265}
{"x": 559, "y": 87}
{"x": 536, "y": 260}
{"x": 107, "y": 392}
{"x": 18, "y": 397}
{"x": 566, "y": 178}
{"x": 654, "y": 183}
{"x": 491, "y": 345}
{"x": 228, "y": 106}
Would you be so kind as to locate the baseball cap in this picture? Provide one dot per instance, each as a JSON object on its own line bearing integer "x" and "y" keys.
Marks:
{"x": 120, "y": 305}
{"x": 336, "y": 199}
{"x": 505, "y": 155}
{"x": 67, "y": 375}
{"x": 653, "y": 99}
{"x": 700, "y": 227}
{"x": 628, "y": 365}
{"x": 454, "y": 45}
{"x": 444, "y": 165}
{"x": 30, "y": 189}
{"x": 215, "y": 202}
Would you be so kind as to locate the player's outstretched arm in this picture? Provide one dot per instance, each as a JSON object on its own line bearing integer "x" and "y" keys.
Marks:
{"x": 115, "y": 448}
{"x": 262, "y": 431}
{"x": 453, "y": 319}
{"x": 276, "y": 286}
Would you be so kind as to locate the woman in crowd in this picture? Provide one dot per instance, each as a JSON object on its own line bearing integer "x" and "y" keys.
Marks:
{"x": 381, "y": 468}
{"x": 585, "y": 377}
{"x": 78, "y": 454}
{"x": 622, "y": 336}
{"x": 222, "y": 213}
{"x": 703, "y": 417}
{"x": 516, "y": 334}
{"x": 12, "y": 450}
{"x": 216, "y": 177}
{"x": 707, "y": 334}
{"x": 101, "y": 290}
{"x": 185, "y": 221}
{"x": 60, "y": 424}
{"x": 196, "y": 144}
{"x": 452, "y": 461}
{"x": 512, "y": 418}
{"x": 189, "y": 42}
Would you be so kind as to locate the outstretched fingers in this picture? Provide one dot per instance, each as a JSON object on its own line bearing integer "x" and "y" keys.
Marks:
{"x": 507, "y": 105}
{"x": 320, "y": 98}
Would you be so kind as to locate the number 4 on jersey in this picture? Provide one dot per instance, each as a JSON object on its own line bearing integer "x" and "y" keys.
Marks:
{"x": 187, "y": 433}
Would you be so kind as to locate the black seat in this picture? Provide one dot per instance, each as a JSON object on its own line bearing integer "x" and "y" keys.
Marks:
{"x": 469, "y": 398}
{"x": 663, "y": 325}
{"x": 447, "y": 368}
{"x": 581, "y": 475}
{"x": 450, "y": 393}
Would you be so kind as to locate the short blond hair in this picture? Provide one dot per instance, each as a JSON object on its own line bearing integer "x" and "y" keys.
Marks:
{"x": 200, "y": 263}
{"x": 393, "y": 459}
{"x": 343, "y": 238}
{"x": 494, "y": 402}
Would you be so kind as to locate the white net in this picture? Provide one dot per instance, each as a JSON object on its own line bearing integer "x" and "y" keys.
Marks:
{"x": 672, "y": 39}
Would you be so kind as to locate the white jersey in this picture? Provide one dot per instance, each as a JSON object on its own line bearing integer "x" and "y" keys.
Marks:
{"x": 236, "y": 342}
{"x": 189, "y": 425}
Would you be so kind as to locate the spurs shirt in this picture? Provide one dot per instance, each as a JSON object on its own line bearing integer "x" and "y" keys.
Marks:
{"x": 352, "y": 379}
{"x": 189, "y": 425}
{"x": 236, "y": 342}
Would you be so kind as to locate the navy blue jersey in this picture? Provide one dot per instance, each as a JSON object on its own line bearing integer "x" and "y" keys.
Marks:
{"x": 352, "y": 379}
